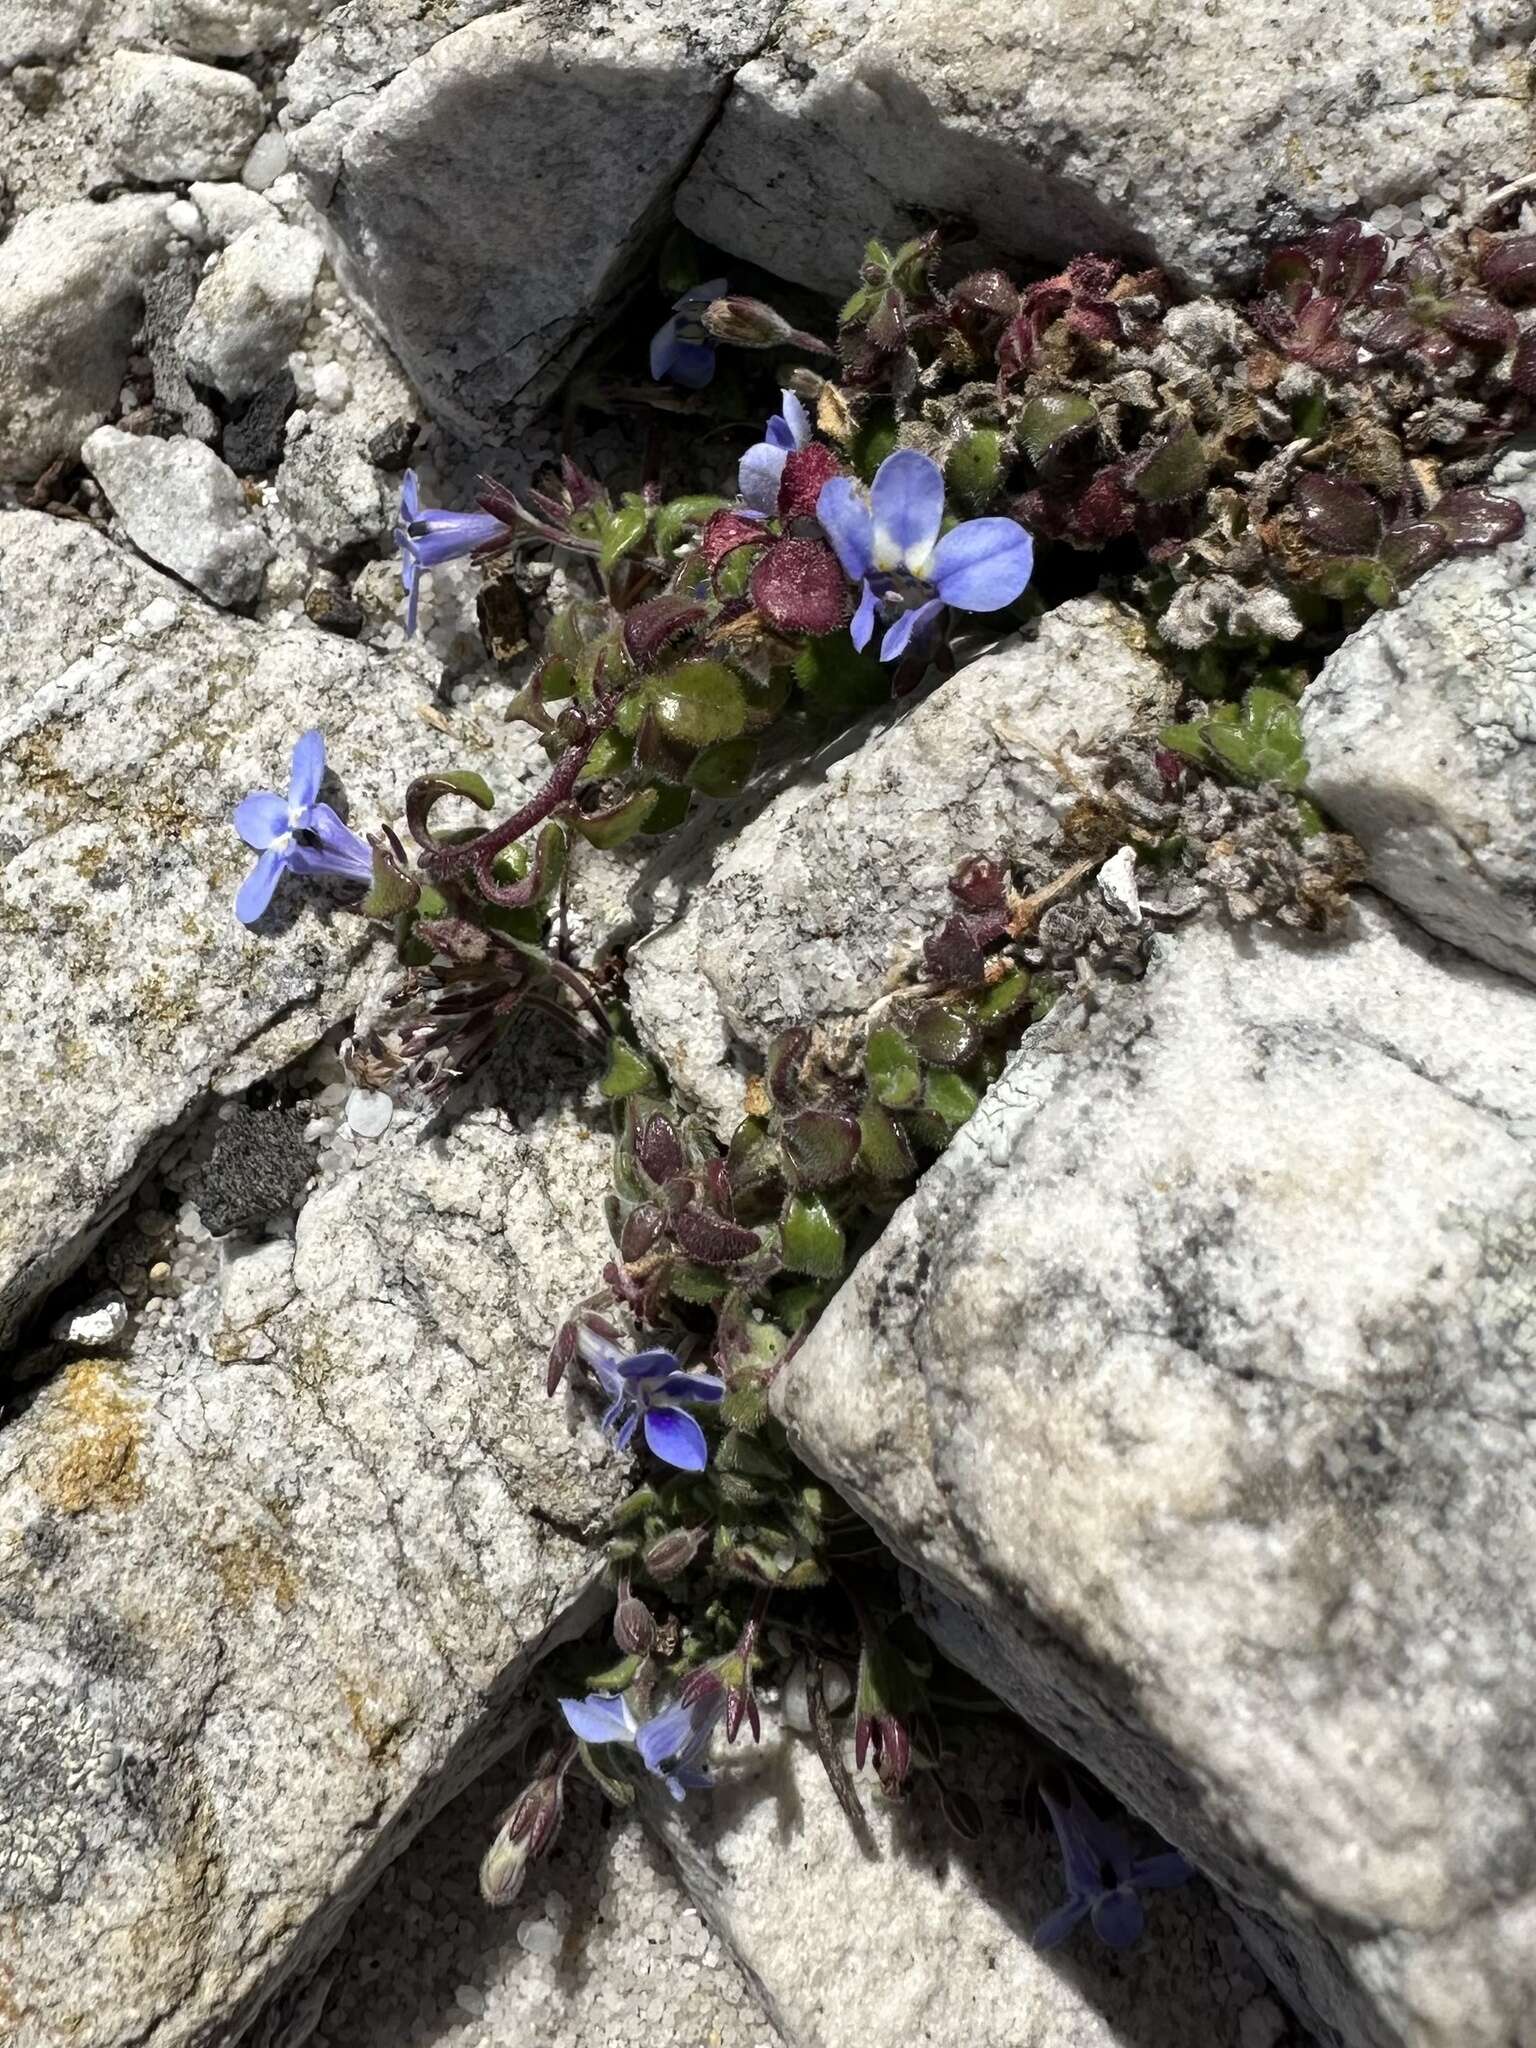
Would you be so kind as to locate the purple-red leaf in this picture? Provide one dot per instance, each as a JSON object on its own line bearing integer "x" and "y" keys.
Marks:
{"x": 1338, "y": 515}
{"x": 1480, "y": 322}
{"x": 821, "y": 1147}
{"x": 1475, "y": 519}
{"x": 805, "y": 471}
{"x": 650, "y": 629}
{"x": 712, "y": 1240}
{"x": 1508, "y": 267}
{"x": 799, "y": 587}
{"x": 659, "y": 1151}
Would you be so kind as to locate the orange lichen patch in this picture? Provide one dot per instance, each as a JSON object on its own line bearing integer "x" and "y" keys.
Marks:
{"x": 92, "y": 1433}
{"x": 252, "y": 1565}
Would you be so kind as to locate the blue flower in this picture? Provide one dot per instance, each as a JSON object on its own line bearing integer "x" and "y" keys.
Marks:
{"x": 672, "y": 1746}
{"x": 763, "y": 464}
{"x": 296, "y": 833}
{"x": 680, "y": 348}
{"x": 1103, "y": 1878}
{"x": 427, "y": 539}
{"x": 647, "y": 1388}
{"x": 890, "y": 543}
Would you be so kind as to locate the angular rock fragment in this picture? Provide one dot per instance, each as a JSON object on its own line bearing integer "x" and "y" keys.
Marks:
{"x": 132, "y": 721}
{"x": 251, "y": 307}
{"x": 1058, "y": 129}
{"x": 184, "y": 508}
{"x": 837, "y": 883}
{"x": 1420, "y": 735}
{"x": 173, "y": 120}
{"x": 71, "y": 296}
{"x": 1193, "y": 1381}
{"x": 484, "y": 303}
{"x": 270, "y": 1581}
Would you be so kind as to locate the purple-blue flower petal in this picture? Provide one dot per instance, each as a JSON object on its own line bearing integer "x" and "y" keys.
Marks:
{"x": 982, "y": 565}
{"x": 256, "y": 890}
{"x": 757, "y": 476}
{"x": 1055, "y": 1927}
{"x": 690, "y": 1386}
{"x": 863, "y": 621}
{"x": 261, "y": 817}
{"x": 692, "y": 364}
{"x": 1118, "y": 1917}
{"x": 907, "y": 503}
{"x": 1158, "y": 1873}
{"x": 1087, "y": 1843}
{"x": 668, "y": 1737}
{"x": 600, "y": 1717}
{"x": 438, "y": 537}
{"x": 647, "y": 1365}
{"x": 779, "y": 433}
{"x": 624, "y": 1435}
{"x": 909, "y": 627}
{"x": 845, "y": 520}
{"x": 340, "y": 848}
{"x": 308, "y": 770}
{"x": 410, "y": 497}
{"x": 663, "y": 342}
{"x": 676, "y": 1438}
{"x": 797, "y": 419}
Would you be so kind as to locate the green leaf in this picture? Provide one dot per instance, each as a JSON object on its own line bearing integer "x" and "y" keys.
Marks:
{"x": 894, "y": 1069}
{"x": 610, "y": 756}
{"x": 619, "y": 1790}
{"x": 1050, "y": 419}
{"x": 678, "y": 515}
{"x": 616, "y": 1676}
{"x": 722, "y": 770}
{"x": 813, "y": 1238}
{"x": 690, "y": 1282}
{"x": 945, "y": 1037}
{"x": 1004, "y": 997}
{"x": 820, "y": 1147}
{"x": 668, "y": 812}
{"x": 1264, "y": 745}
{"x": 753, "y": 1158}
{"x": 873, "y": 441}
{"x": 613, "y": 828}
{"x": 628, "y": 1071}
{"x": 391, "y": 892}
{"x": 948, "y": 1097}
{"x": 699, "y": 704}
{"x": 1176, "y": 470}
{"x": 883, "y": 1149}
{"x": 622, "y": 533}
{"x": 465, "y": 782}
{"x": 837, "y": 678}
{"x": 975, "y": 468}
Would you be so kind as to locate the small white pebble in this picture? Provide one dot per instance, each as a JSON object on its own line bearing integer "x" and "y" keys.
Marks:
{"x": 184, "y": 219}
{"x": 1117, "y": 884}
{"x": 470, "y": 2000}
{"x": 538, "y": 1938}
{"x": 333, "y": 387}
{"x": 318, "y": 1127}
{"x": 368, "y": 1112}
{"x": 267, "y": 161}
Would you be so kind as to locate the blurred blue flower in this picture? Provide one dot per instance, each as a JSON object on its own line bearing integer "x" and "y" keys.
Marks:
{"x": 672, "y": 1745}
{"x": 647, "y": 1388}
{"x": 601, "y": 1717}
{"x": 889, "y": 542}
{"x": 763, "y": 464}
{"x": 296, "y": 833}
{"x": 680, "y": 348}
{"x": 427, "y": 539}
{"x": 1103, "y": 1878}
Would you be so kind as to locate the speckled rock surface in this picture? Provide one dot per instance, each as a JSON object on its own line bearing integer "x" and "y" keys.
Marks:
{"x": 251, "y": 307}
{"x": 486, "y": 302}
{"x": 184, "y": 508}
{"x": 836, "y": 884}
{"x": 925, "y": 1940}
{"x": 1195, "y": 1380}
{"x": 269, "y": 1581}
{"x": 132, "y": 720}
{"x": 173, "y": 120}
{"x": 71, "y": 295}
{"x": 1421, "y": 738}
{"x": 1185, "y": 139}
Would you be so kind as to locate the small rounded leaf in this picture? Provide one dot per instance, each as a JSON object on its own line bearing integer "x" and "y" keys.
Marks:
{"x": 699, "y": 704}
{"x": 813, "y": 1240}
{"x": 798, "y": 586}
{"x": 894, "y": 1069}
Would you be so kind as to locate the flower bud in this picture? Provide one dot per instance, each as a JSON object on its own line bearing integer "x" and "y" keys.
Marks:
{"x": 672, "y": 1554}
{"x": 746, "y": 322}
{"x": 526, "y": 1831}
{"x": 634, "y": 1626}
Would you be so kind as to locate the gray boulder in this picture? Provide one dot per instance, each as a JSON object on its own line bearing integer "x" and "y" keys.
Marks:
{"x": 1421, "y": 738}
{"x": 173, "y": 120}
{"x": 251, "y": 307}
{"x": 71, "y": 296}
{"x": 184, "y": 508}
{"x": 1057, "y": 129}
{"x": 1194, "y": 1380}
{"x": 830, "y": 892}
{"x": 271, "y": 1581}
{"x": 590, "y": 121}
{"x": 132, "y": 721}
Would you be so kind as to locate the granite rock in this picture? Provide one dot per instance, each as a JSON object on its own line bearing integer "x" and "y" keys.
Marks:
{"x": 270, "y": 1582}
{"x": 132, "y": 720}
{"x": 831, "y": 890}
{"x": 251, "y": 307}
{"x": 331, "y": 490}
{"x": 173, "y": 120}
{"x": 1188, "y": 141}
{"x": 184, "y": 508}
{"x": 1195, "y": 1382}
{"x": 1421, "y": 738}
{"x": 71, "y": 296}
{"x": 44, "y": 31}
{"x": 589, "y": 121}
{"x": 917, "y": 1936}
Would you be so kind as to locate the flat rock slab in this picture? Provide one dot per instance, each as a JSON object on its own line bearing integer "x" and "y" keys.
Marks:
{"x": 1196, "y": 1378}
{"x": 132, "y": 721}
{"x": 921, "y": 1938}
{"x": 484, "y": 298}
{"x": 833, "y": 888}
{"x": 268, "y": 1582}
{"x": 1420, "y": 735}
{"x": 1103, "y": 125}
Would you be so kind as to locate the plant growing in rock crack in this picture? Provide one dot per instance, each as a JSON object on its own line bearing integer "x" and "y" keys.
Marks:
{"x": 1254, "y": 477}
